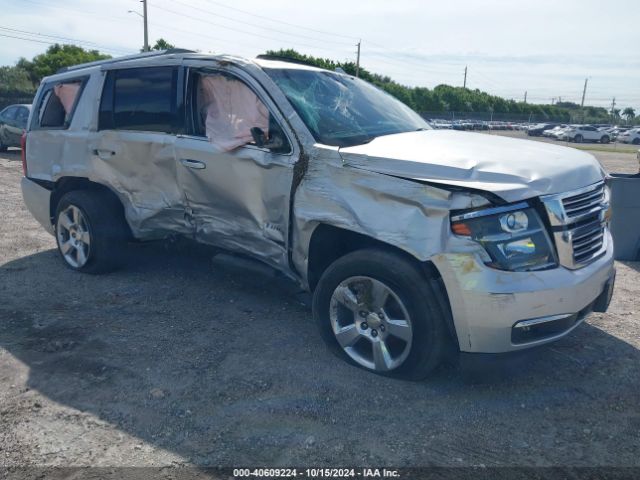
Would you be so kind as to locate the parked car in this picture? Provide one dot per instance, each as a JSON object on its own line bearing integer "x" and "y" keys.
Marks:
{"x": 581, "y": 133}
{"x": 553, "y": 132}
{"x": 13, "y": 121}
{"x": 536, "y": 130}
{"x": 413, "y": 241}
{"x": 630, "y": 136}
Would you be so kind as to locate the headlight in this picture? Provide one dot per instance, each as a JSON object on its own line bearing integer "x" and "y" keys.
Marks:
{"x": 513, "y": 236}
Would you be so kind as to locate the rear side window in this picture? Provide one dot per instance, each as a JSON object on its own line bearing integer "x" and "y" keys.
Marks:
{"x": 58, "y": 103}
{"x": 143, "y": 99}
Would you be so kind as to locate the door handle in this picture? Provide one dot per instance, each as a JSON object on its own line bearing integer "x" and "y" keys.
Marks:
{"x": 195, "y": 164}
{"x": 104, "y": 154}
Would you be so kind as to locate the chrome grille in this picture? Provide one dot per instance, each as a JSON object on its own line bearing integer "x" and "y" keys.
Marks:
{"x": 579, "y": 224}
{"x": 584, "y": 203}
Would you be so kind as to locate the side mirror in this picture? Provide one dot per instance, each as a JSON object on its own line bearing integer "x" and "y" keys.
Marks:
{"x": 260, "y": 139}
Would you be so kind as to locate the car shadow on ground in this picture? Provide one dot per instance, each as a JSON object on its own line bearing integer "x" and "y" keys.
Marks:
{"x": 223, "y": 366}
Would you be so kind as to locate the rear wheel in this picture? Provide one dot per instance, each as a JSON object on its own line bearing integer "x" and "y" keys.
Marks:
{"x": 91, "y": 232}
{"x": 376, "y": 310}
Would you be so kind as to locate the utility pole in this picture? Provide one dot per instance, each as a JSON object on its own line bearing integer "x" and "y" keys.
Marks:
{"x": 525, "y": 96}
{"x": 358, "y": 59}
{"x": 613, "y": 106}
{"x": 584, "y": 93}
{"x": 146, "y": 28}
{"x": 465, "y": 77}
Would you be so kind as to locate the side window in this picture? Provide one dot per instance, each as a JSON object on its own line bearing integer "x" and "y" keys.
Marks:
{"x": 9, "y": 113}
{"x": 58, "y": 104}
{"x": 140, "y": 99}
{"x": 22, "y": 116}
{"x": 230, "y": 114}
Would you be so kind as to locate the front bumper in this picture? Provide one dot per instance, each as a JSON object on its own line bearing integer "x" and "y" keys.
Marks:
{"x": 487, "y": 304}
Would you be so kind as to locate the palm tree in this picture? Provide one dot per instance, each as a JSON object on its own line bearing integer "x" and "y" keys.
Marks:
{"x": 629, "y": 113}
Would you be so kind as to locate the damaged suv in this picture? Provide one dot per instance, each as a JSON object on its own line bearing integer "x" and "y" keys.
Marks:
{"x": 412, "y": 240}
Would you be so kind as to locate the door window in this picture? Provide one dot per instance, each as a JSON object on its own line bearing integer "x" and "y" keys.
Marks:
{"x": 142, "y": 99}
{"x": 230, "y": 114}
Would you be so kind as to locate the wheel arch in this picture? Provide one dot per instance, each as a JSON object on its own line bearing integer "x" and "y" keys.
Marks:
{"x": 328, "y": 243}
{"x": 69, "y": 184}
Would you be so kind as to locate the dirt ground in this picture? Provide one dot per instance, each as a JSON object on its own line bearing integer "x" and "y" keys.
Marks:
{"x": 184, "y": 360}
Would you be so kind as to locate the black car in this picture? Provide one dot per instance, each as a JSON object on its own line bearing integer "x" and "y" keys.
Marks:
{"x": 13, "y": 121}
{"x": 537, "y": 130}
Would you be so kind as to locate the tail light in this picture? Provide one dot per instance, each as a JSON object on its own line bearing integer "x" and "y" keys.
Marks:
{"x": 23, "y": 146}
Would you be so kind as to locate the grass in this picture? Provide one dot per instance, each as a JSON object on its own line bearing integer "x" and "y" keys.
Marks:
{"x": 607, "y": 148}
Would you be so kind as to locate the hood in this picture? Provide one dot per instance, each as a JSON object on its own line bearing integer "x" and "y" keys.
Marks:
{"x": 510, "y": 168}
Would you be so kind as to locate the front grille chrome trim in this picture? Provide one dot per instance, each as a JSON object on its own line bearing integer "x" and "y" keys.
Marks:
{"x": 579, "y": 223}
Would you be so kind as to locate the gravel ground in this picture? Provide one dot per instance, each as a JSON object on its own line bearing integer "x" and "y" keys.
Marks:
{"x": 184, "y": 360}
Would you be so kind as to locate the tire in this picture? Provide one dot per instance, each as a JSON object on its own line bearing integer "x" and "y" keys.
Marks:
{"x": 411, "y": 353}
{"x": 605, "y": 139}
{"x": 577, "y": 139}
{"x": 636, "y": 141}
{"x": 91, "y": 232}
{"x": 3, "y": 147}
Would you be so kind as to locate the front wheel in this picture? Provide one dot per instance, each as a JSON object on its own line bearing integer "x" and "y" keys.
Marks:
{"x": 577, "y": 139}
{"x": 636, "y": 141}
{"x": 605, "y": 139}
{"x": 376, "y": 310}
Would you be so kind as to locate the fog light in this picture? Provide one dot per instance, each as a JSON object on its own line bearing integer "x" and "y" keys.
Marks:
{"x": 519, "y": 247}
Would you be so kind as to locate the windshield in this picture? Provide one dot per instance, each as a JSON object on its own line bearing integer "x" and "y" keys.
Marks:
{"x": 341, "y": 110}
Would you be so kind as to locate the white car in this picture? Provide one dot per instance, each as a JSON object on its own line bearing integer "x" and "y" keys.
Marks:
{"x": 581, "y": 133}
{"x": 630, "y": 136}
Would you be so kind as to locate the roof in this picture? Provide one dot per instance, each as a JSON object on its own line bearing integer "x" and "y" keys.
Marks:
{"x": 178, "y": 53}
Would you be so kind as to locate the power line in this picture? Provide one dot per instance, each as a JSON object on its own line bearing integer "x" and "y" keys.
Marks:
{"x": 282, "y": 21}
{"x": 236, "y": 29}
{"x": 259, "y": 26}
{"x": 75, "y": 40}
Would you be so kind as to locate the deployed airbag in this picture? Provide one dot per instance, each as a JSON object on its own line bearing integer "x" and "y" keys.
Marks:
{"x": 232, "y": 110}
{"x": 67, "y": 93}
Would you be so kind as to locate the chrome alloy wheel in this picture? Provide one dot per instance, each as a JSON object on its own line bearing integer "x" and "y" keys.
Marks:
{"x": 371, "y": 323}
{"x": 74, "y": 237}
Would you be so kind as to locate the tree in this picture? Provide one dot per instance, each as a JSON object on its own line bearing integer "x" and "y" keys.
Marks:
{"x": 56, "y": 57}
{"x": 162, "y": 44}
{"x": 629, "y": 114}
{"x": 15, "y": 79}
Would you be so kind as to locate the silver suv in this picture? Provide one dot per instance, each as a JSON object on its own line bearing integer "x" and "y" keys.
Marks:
{"x": 412, "y": 240}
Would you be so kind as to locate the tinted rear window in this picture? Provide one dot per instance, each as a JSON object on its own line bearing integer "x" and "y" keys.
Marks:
{"x": 140, "y": 99}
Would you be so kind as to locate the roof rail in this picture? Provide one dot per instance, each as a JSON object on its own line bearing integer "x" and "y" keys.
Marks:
{"x": 287, "y": 59}
{"x": 124, "y": 59}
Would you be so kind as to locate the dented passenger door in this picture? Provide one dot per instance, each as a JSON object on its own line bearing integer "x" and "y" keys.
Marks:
{"x": 133, "y": 150}
{"x": 237, "y": 190}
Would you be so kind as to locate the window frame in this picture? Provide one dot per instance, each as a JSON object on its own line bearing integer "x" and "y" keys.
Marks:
{"x": 45, "y": 96}
{"x": 190, "y": 110}
{"x": 109, "y": 88}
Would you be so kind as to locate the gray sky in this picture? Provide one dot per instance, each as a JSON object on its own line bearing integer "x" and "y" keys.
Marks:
{"x": 544, "y": 47}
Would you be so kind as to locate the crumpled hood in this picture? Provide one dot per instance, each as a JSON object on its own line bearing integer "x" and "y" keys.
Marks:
{"x": 511, "y": 168}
